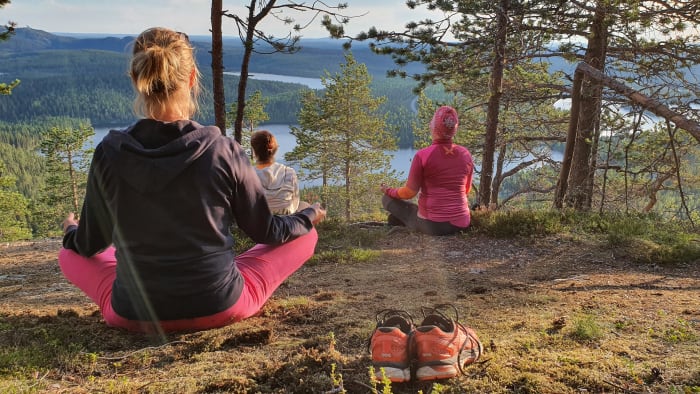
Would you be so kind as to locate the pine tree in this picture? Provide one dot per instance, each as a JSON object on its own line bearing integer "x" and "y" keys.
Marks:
{"x": 68, "y": 161}
{"x": 14, "y": 210}
{"x": 647, "y": 43}
{"x": 342, "y": 138}
{"x": 9, "y": 29}
{"x": 253, "y": 114}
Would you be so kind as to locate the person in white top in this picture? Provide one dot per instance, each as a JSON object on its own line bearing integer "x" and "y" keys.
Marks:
{"x": 278, "y": 180}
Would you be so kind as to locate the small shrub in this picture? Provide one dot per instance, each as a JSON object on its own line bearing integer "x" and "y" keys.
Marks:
{"x": 648, "y": 239}
{"x": 586, "y": 328}
{"x": 336, "y": 234}
{"x": 523, "y": 223}
{"x": 681, "y": 332}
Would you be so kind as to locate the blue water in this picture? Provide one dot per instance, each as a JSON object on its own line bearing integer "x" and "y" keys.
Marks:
{"x": 313, "y": 83}
{"x": 400, "y": 159}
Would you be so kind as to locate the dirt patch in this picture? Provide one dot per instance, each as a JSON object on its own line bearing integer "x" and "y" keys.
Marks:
{"x": 530, "y": 300}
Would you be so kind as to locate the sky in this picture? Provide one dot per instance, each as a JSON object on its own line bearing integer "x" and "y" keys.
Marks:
{"x": 190, "y": 16}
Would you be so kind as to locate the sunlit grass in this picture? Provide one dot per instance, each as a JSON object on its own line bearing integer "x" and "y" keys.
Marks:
{"x": 641, "y": 238}
{"x": 534, "y": 350}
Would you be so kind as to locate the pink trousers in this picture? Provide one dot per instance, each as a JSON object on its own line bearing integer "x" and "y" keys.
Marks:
{"x": 263, "y": 267}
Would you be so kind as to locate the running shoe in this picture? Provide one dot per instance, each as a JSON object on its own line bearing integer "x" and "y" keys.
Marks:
{"x": 443, "y": 345}
{"x": 390, "y": 345}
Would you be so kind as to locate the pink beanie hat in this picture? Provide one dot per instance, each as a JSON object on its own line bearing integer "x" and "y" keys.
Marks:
{"x": 444, "y": 123}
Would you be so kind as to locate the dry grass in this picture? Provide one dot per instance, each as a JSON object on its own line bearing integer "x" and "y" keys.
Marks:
{"x": 557, "y": 314}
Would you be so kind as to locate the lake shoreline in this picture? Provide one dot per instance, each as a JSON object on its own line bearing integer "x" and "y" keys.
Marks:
{"x": 400, "y": 158}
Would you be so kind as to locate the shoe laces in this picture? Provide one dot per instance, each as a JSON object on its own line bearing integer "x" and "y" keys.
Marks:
{"x": 438, "y": 316}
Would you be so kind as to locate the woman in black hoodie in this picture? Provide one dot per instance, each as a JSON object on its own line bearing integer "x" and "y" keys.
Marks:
{"x": 153, "y": 248}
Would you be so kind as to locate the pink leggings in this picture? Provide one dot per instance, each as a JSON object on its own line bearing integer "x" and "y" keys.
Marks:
{"x": 263, "y": 267}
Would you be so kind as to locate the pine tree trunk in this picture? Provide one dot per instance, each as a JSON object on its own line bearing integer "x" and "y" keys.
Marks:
{"x": 562, "y": 182}
{"x": 580, "y": 183}
{"x": 243, "y": 82}
{"x": 217, "y": 66}
{"x": 493, "y": 106}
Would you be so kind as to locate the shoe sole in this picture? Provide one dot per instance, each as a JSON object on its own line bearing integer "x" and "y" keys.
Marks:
{"x": 396, "y": 375}
{"x": 436, "y": 372}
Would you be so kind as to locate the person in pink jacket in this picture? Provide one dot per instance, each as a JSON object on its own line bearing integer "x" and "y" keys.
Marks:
{"x": 441, "y": 176}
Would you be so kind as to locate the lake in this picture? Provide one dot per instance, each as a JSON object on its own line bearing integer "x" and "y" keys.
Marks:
{"x": 313, "y": 83}
{"x": 401, "y": 160}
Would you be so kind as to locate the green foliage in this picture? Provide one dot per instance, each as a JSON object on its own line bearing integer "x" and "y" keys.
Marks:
{"x": 14, "y": 210}
{"x": 68, "y": 158}
{"x": 649, "y": 239}
{"x": 342, "y": 137}
{"x": 253, "y": 114}
{"x": 340, "y": 243}
{"x": 6, "y": 89}
{"x": 517, "y": 223}
{"x": 337, "y": 379}
{"x": 385, "y": 382}
{"x": 682, "y": 331}
{"x": 421, "y": 128}
{"x": 346, "y": 256}
{"x": 398, "y": 106}
{"x": 39, "y": 351}
{"x": 336, "y": 234}
{"x": 642, "y": 238}
{"x": 587, "y": 328}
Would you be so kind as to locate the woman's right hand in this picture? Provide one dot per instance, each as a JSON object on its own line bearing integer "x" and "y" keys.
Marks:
{"x": 320, "y": 213}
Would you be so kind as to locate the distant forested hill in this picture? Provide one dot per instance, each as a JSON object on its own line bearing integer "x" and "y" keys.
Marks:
{"x": 315, "y": 56}
{"x": 86, "y": 78}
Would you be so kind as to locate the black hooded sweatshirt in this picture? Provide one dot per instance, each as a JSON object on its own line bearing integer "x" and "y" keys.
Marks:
{"x": 166, "y": 195}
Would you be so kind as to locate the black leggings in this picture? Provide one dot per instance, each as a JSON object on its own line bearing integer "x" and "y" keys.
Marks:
{"x": 406, "y": 213}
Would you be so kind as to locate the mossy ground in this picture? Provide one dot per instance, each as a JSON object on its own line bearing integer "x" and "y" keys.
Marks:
{"x": 556, "y": 313}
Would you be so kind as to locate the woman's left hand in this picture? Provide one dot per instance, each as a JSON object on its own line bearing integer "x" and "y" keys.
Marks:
{"x": 69, "y": 221}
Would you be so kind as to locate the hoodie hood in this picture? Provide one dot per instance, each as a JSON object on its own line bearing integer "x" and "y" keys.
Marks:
{"x": 150, "y": 153}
